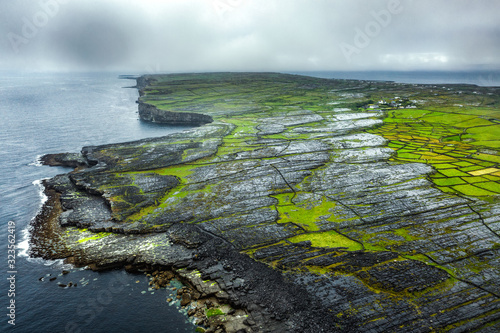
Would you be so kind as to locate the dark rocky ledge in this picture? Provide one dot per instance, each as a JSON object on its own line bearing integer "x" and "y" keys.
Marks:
{"x": 151, "y": 113}
{"x": 64, "y": 159}
{"x": 295, "y": 208}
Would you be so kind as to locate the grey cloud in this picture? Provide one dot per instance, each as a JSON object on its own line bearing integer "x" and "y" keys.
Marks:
{"x": 205, "y": 35}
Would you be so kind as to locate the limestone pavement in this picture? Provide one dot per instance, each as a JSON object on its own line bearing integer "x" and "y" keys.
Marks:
{"x": 300, "y": 205}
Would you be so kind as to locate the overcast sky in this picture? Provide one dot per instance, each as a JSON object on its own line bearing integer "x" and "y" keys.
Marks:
{"x": 249, "y": 35}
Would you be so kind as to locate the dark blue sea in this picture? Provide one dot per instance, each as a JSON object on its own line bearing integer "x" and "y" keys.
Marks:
{"x": 51, "y": 113}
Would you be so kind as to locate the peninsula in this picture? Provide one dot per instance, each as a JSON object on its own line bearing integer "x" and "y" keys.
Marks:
{"x": 299, "y": 204}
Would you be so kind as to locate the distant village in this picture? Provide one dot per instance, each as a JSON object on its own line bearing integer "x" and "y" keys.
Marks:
{"x": 396, "y": 102}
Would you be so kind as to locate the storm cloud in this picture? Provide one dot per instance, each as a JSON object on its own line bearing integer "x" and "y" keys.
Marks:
{"x": 249, "y": 35}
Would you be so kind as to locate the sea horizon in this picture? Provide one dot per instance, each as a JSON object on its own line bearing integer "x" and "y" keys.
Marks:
{"x": 482, "y": 78}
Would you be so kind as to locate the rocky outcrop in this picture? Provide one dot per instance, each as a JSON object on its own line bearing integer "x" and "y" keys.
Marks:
{"x": 151, "y": 113}
{"x": 144, "y": 81}
{"x": 71, "y": 160}
{"x": 287, "y": 213}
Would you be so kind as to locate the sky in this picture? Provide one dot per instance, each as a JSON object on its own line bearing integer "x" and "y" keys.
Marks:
{"x": 153, "y": 36}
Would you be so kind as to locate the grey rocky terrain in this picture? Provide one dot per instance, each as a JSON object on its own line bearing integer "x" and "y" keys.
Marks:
{"x": 282, "y": 212}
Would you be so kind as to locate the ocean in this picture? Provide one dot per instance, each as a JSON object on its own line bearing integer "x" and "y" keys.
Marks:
{"x": 50, "y": 113}
{"x": 480, "y": 78}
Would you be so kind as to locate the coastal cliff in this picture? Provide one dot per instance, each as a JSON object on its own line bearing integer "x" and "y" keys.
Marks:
{"x": 151, "y": 113}
{"x": 301, "y": 205}
{"x": 148, "y": 112}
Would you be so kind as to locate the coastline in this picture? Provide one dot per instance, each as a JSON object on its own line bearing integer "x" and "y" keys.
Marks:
{"x": 203, "y": 259}
{"x": 214, "y": 276}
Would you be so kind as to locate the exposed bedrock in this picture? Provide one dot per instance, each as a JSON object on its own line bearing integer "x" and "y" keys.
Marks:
{"x": 72, "y": 160}
{"x": 286, "y": 209}
{"x": 151, "y": 113}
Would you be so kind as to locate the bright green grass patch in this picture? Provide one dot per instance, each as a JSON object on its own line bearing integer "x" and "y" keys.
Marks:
{"x": 406, "y": 150}
{"x": 96, "y": 236}
{"x": 436, "y": 158}
{"x": 304, "y": 214}
{"x": 447, "y": 189}
{"x": 438, "y": 175}
{"x": 474, "y": 123}
{"x": 472, "y": 190}
{"x": 444, "y": 166}
{"x": 214, "y": 312}
{"x": 492, "y": 143}
{"x": 463, "y": 164}
{"x": 408, "y": 155}
{"x": 181, "y": 171}
{"x": 448, "y": 119}
{"x": 448, "y": 181}
{"x": 244, "y": 127}
{"x": 485, "y": 164}
{"x": 329, "y": 239}
{"x": 377, "y": 246}
{"x": 441, "y": 151}
{"x": 490, "y": 186}
{"x": 453, "y": 173}
{"x": 485, "y": 133}
{"x": 455, "y": 138}
{"x": 405, "y": 114}
{"x": 294, "y": 214}
{"x": 488, "y": 157}
{"x": 476, "y": 111}
{"x": 472, "y": 180}
{"x": 471, "y": 168}
{"x": 458, "y": 154}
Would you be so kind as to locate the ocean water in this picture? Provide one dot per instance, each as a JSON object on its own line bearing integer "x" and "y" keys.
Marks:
{"x": 50, "y": 113}
{"x": 479, "y": 78}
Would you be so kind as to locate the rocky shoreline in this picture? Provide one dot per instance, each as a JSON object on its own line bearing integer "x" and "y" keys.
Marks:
{"x": 225, "y": 291}
{"x": 283, "y": 212}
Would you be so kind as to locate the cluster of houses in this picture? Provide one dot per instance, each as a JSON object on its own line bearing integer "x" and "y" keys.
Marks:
{"x": 396, "y": 102}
